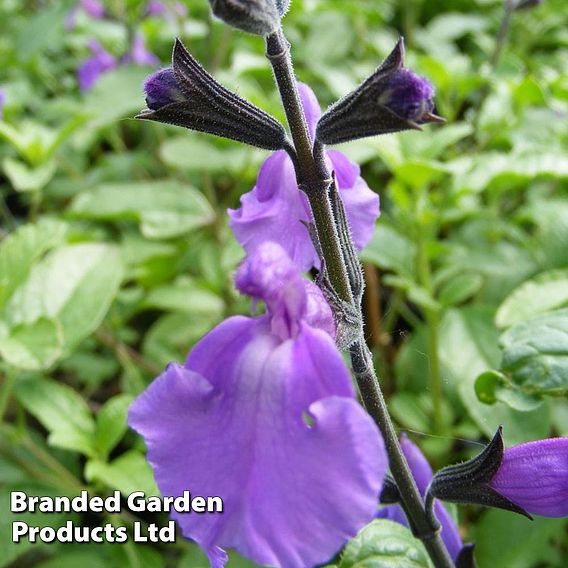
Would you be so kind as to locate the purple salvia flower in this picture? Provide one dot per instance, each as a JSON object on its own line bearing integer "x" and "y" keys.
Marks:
{"x": 180, "y": 9}
{"x": 2, "y": 102}
{"x": 71, "y": 19}
{"x": 139, "y": 54}
{"x": 263, "y": 414}
{"x": 534, "y": 476}
{"x": 155, "y": 8}
{"x": 423, "y": 474}
{"x": 408, "y": 95}
{"x": 91, "y": 69}
{"x": 162, "y": 88}
{"x": 275, "y": 209}
{"x": 94, "y": 8}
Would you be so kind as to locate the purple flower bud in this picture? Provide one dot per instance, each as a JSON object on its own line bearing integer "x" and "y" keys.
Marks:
{"x": 260, "y": 17}
{"x": 186, "y": 95}
{"x": 408, "y": 95}
{"x": 392, "y": 99}
{"x": 94, "y": 8}
{"x": 534, "y": 476}
{"x": 162, "y": 89}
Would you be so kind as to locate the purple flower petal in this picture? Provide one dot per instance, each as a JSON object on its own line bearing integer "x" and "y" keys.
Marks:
{"x": 155, "y": 8}
{"x": 276, "y": 210}
{"x": 2, "y": 101}
{"x": 269, "y": 424}
{"x": 362, "y": 204}
{"x": 91, "y": 69}
{"x": 94, "y": 8}
{"x": 311, "y": 107}
{"x": 535, "y": 477}
{"x": 422, "y": 473}
{"x": 139, "y": 54}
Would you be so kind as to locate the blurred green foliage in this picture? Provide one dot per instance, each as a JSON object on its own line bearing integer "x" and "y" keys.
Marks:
{"x": 116, "y": 255}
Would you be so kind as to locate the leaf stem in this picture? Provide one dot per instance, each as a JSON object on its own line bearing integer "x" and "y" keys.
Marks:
{"x": 312, "y": 172}
{"x": 433, "y": 324}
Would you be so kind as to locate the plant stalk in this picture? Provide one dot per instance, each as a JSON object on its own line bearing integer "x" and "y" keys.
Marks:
{"x": 312, "y": 172}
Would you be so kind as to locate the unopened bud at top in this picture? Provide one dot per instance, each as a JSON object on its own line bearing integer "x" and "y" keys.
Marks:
{"x": 408, "y": 95}
{"x": 162, "y": 88}
{"x": 392, "y": 99}
{"x": 259, "y": 17}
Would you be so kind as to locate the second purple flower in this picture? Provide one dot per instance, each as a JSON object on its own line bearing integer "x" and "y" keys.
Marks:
{"x": 276, "y": 210}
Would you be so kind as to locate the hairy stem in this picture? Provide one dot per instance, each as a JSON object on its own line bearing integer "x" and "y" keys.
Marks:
{"x": 312, "y": 173}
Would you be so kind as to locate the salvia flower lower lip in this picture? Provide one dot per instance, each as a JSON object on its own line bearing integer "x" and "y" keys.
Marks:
{"x": 263, "y": 414}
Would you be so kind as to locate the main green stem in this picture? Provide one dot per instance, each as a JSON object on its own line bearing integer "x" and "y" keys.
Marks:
{"x": 312, "y": 173}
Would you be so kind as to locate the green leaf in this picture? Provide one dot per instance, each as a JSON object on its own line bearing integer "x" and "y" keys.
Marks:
{"x": 390, "y": 250}
{"x": 111, "y": 423}
{"x": 493, "y": 386}
{"x": 486, "y": 385}
{"x": 185, "y": 295}
{"x": 494, "y": 168}
{"x": 469, "y": 347}
{"x": 551, "y": 236}
{"x": 20, "y": 250}
{"x": 62, "y": 411}
{"x": 74, "y": 285}
{"x": 128, "y": 473}
{"x": 172, "y": 336}
{"x": 510, "y": 541}
{"x": 535, "y": 354}
{"x": 545, "y": 292}
{"x": 12, "y": 550}
{"x": 33, "y": 346}
{"x": 164, "y": 209}
{"x": 384, "y": 544}
{"x": 28, "y": 178}
{"x": 198, "y": 153}
{"x": 460, "y": 288}
{"x": 320, "y": 45}
{"x": 117, "y": 94}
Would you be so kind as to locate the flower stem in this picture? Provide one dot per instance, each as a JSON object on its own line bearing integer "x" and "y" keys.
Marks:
{"x": 433, "y": 323}
{"x": 312, "y": 172}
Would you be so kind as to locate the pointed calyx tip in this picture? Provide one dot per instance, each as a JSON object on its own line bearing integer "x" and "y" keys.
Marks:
{"x": 394, "y": 98}
{"x": 470, "y": 481}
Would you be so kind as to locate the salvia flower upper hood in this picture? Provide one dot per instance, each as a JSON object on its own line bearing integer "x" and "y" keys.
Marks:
{"x": 278, "y": 211}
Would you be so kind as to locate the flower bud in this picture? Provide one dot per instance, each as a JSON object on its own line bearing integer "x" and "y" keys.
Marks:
{"x": 408, "y": 95}
{"x": 392, "y": 99}
{"x": 162, "y": 88}
{"x": 259, "y": 17}
{"x": 528, "y": 478}
{"x": 186, "y": 95}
